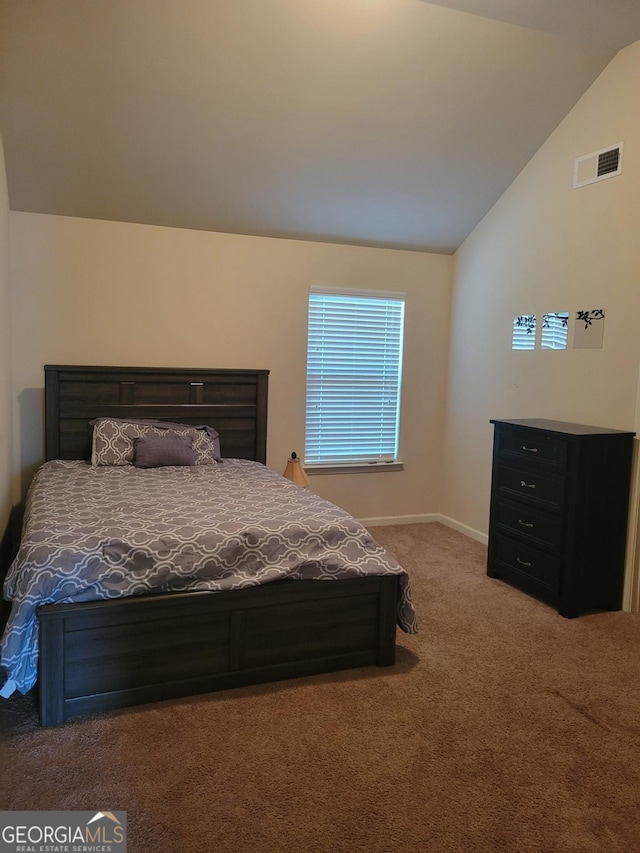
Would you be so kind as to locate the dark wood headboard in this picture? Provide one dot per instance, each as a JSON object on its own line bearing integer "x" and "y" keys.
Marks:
{"x": 232, "y": 401}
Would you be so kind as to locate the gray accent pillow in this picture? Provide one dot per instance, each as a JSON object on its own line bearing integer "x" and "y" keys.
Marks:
{"x": 158, "y": 451}
{"x": 203, "y": 429}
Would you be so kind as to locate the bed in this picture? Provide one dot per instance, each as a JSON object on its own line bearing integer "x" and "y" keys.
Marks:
{"x": 100, "y": 653}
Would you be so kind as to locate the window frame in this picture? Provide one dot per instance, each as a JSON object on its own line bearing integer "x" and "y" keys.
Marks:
{"x": 373, "y": 461}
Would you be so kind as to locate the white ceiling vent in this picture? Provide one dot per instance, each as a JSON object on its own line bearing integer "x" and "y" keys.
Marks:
{"x": 605, "y": 163}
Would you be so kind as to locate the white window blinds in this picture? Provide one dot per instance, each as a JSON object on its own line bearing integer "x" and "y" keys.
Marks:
{"x": 354, "y": 369}
{"x": 524, "y": 332}
{"x": 555, "y": 328}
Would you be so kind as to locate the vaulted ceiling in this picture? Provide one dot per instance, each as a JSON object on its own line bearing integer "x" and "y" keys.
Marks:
{"x": 375, "y": 122}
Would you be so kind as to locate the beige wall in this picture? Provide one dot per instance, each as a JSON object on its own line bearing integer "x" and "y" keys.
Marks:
{"x": 6, "y": 432}
{"x": 94, "y": 292}
{"x": 547, "y": 247}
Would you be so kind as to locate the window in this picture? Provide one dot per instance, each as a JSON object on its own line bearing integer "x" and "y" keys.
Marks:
{"x": 354, "y": 368}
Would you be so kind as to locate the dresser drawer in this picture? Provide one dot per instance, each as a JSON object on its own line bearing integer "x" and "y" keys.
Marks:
{"x": 529, "y": 444}
{"x": 540, "y": 528}
{"x": 544, "y": 489}
{"x": 521, "y": 559}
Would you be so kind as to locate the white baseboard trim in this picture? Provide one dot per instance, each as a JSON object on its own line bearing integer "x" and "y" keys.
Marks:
{"x": 428, "y": 518}
{"x": 471, "y": 532}
{"x": 399, "y": 519}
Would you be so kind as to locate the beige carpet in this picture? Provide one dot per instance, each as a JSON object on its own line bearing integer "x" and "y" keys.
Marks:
{"x": 503, "y": 727}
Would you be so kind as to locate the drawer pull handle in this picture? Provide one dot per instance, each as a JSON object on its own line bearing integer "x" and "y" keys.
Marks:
{"x": 522, "y": 562}
{"x": 529, "y": 449}
{"x": 527, "y": 485}
{"x": 525, "y": 523}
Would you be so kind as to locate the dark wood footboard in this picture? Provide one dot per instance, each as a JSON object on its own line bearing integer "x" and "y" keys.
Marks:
{"x": 102, "y": 655}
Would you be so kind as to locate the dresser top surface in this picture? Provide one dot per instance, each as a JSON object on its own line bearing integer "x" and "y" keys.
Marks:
{"x": 560, "y": 426}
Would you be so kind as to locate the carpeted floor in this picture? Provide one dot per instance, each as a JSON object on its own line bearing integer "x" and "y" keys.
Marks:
{"x": 503, "y": 727}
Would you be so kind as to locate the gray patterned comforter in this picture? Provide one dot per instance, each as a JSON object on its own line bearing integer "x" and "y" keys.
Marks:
{"x": 104, "y": 532}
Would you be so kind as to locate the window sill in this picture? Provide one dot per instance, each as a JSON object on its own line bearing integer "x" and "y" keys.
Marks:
{"x": 354, "y": 468}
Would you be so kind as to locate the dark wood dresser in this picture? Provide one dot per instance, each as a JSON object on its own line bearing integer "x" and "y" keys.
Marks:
{"x": 559, "y": 506}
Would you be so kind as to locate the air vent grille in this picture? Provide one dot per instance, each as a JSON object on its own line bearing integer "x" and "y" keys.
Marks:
{"x": 605, "y": 163}
{"x": 608, "y": 162}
